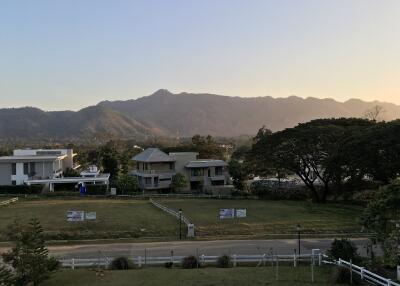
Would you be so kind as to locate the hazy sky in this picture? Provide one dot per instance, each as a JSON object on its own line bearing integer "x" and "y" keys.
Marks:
{"x": 66, "y": 54}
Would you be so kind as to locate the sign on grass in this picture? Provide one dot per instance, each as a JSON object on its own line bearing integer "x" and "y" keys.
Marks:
{"x": 241, "y": 213}
{"x": 226, "y": 213}
{"x": 90, "y": 215}
{"x": 75, "y": 215}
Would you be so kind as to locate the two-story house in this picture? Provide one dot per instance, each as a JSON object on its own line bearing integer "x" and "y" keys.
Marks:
{"x": 155, "y": 169}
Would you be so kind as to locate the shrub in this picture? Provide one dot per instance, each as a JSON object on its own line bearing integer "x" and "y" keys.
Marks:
{"x": 224, "y": 261}
{"x": 341, "y": 275}
{"x": 53, "y": 264}
{"x": 121, "y": 263}
{"x": 168, "y": 265}
{"x": 21, "y": 190}
{"x": 96, "y": 190}
{"x": 344, "y": 249}
{"x": 189, "y": 262}
{"x": 267, "y": 193}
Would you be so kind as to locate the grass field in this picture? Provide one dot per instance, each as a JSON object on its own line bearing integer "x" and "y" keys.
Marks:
{"x": 268, "y": 217}
{"x": 115, "y": 218}
{"x": 240, "y": 276}
{"x": 138, "y": 218}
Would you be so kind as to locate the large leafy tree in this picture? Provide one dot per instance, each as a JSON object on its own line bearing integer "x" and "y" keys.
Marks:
{"x": 382, "y": 219}
{"x": 29, "y": 256}
{"x": 310, "y": 150}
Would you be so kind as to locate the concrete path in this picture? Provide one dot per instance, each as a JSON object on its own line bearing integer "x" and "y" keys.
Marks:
{"x": 218, "y": 247}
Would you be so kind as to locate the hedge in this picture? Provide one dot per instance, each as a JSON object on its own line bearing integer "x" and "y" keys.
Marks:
{"x": 21, "y": 189}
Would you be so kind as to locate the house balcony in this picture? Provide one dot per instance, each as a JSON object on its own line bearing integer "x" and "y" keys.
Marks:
{"x": 153, "y": 173}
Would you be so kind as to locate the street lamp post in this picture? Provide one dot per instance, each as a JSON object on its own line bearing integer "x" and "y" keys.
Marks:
{"x": 298, "y": 228}
{"x": 180, "y": 224}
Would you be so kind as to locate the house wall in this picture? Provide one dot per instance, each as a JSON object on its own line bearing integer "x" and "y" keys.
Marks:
{"x": 181, "y": 159}
{"x": 44, "y": 170}
{"x": 5, "y": 174}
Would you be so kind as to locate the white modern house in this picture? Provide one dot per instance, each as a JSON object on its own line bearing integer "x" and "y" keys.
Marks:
{"x": 45, "y": 167}
{"x": 155, "y": 169}
{"x": 29, "y": 164}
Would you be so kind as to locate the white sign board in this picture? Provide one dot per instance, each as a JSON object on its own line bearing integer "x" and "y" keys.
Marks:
{"x": 90, "y": 215}
{"x": 75, "y": 216}
{"x": 113, "y": 191}
{"x": 241, "y": 213}
{"x": 226, "y": 213}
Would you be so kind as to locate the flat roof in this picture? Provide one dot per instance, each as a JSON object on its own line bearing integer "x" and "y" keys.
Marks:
{"x": 206, "y": 163}
{"x": 101, "y": 178}
{"x": 30, "y": 158}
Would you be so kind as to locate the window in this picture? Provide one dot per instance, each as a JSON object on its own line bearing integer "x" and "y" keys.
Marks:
{"x": 197, "y": 172}
{"x": 218, "y": 171}
{"x": 26, "y": 168}
{"x": 209, "y": 172}
{"x": 171, "y": 166}
{"x": 14, "y": 183}
{"x": 147, "y": 181}
{"x": 13, "y": 169}
{"x": 32, "y": 169}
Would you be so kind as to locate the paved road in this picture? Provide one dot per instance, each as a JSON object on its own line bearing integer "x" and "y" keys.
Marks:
{"x": 219, "y": 247}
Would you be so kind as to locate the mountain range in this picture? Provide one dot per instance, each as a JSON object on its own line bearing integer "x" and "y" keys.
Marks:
{"x": 185, "y": 114}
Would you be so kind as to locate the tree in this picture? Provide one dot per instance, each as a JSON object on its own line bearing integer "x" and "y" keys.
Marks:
{"x": 109, "y": 159}
{"x": 29, "y": 256}
{"x": 309, "y": 150}
{"x": 343, "y": 249}
{"x": 382, "y": 219}
{"x": 69, "y": 172}
{"x": 236, "y": 170}
{"x": 6, "y": 277}
{"x": 127, "y": 184}
{"x": 374, "y": 114}
{"x": 178, "y": 182}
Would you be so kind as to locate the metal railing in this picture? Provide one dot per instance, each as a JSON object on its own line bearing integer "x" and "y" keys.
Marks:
{"x": 10, "y": 201}
{"x": 363, "y": 273}
{"x": 171, "y": 212}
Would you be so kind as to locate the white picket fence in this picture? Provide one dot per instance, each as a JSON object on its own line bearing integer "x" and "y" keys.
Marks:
{"x": 363, "y": 273}
{"x": 7, "y": 202}
{"x": 260, "y": 259}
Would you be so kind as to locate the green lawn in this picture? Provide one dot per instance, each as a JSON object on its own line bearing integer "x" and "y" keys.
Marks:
{"x": 115, "y": 218}
{"x": 241, "y": 276}
{"x": 138, "y": 218}
{"x": 268, "y": 217}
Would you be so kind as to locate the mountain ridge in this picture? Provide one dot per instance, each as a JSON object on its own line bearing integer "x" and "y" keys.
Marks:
{"x": 179, "y": 114}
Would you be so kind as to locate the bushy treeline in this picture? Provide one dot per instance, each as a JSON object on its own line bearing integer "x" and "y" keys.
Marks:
{"x": 331, "y": 156}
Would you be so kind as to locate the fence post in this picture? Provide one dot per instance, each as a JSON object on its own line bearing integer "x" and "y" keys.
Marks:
{"x": 234, "y": 260}
{"x": 140, "y": 261}
{"x": 362, "y": 273}
{"x": 294, "y": 259}
{"x": 312, "y": 268}
{"x": 389, "y": 282}
{"x": 72, "y": 263}
{"x": 277, "y": 267}
{"x": 263, "y": 259}
{"x": 351, "y": 271}
{"x": 203, "y": 258}
{"x": 320, "y": 259}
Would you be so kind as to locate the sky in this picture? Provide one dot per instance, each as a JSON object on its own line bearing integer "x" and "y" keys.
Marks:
{"x": 68, "y": 54}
